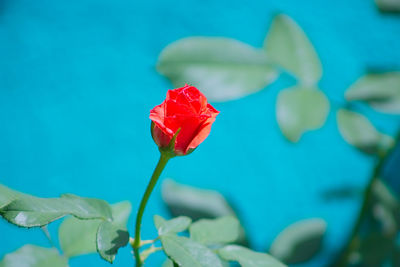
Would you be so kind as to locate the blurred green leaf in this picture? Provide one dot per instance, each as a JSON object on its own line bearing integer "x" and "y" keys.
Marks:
{"x": 385, "y": 194}
{"x": 173, "y": 226}
{"x": 30, "y": 211}
{"x": 375, "y": 249}
{"x": 386, "y": 207}
{"x": 358, "y": 131}
{"x": 388, "y": 6}
{"x": 121, "y": 212}
{"x": 34, "y": 256}
{"x": 300, "y": 109}
{"x": 247, "y": 257}
{"x": 158, "y": 221}
{"x": 186, "y": 252}
{"x": 386, "y": 218}
{"x": 78, "y": 237}
{"x": 381, "y": 91}
{"x": 222, "y": 230}
{"x": 168, "y": 263}
{"x": 288, "y": 46}
{"x": 300, "y": 241}
{"x": 196, "y": 203}
{"x": 110, "y": 237}
{"x": 222, "y": 68}
{"x": 193, "y": 202}
{"x": 7, "y": 195}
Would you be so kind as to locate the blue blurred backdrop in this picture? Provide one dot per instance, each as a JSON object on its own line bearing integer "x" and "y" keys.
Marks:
{"x": 77, "y": 81}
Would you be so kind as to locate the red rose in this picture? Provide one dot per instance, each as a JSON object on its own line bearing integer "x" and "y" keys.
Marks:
{"x": 186, "y": 109}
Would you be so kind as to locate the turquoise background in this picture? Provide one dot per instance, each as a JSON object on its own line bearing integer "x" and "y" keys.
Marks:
{"x": 77, "y": 82}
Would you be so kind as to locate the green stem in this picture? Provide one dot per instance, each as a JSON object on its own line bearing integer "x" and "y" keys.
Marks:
{"x": 344, "y": 257}
{"x": 156, "y": 174}
{"x": 343, "y": 260}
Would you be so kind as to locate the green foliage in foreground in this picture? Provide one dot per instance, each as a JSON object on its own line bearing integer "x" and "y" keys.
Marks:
{"x": 297, "y": 243}
{"x": 92, "y": 225}
{"x": 208, "y": 243}
{"x": 34, "y": 256}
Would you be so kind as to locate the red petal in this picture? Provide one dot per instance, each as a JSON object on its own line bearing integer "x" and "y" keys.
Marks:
{"x": 157, "y": 116}
{"x": 202, "y": 133}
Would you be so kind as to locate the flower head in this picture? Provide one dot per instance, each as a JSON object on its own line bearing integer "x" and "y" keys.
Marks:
{"x": 184, "y": 109}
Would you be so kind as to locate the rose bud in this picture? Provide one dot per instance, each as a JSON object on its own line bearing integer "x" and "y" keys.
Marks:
{"x": 185, "y": 118}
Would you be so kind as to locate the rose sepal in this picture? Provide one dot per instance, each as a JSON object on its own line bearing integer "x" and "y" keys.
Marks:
{"x": 169, "y": 150}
